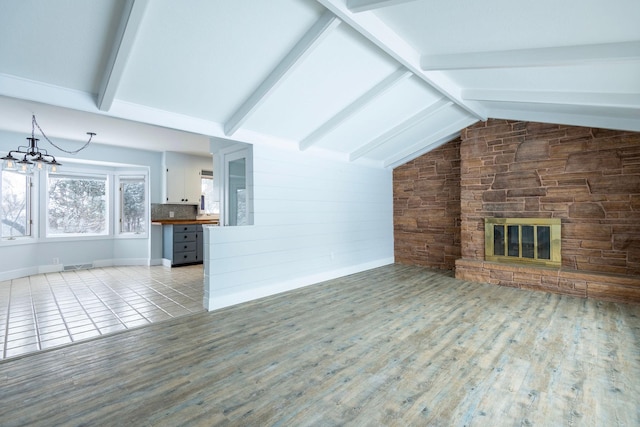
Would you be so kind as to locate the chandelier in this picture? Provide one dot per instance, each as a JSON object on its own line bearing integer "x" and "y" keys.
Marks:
{"x": 34, "y": 157}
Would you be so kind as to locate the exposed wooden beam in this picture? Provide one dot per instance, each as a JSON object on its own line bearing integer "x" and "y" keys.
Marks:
{"x": 364, "y": 5}
{"x": 376, "y": 31}
{"x": 540, "y": 57}
{"x": 411, "y": 122}
{"x": 434, "y": 140}
{"x": 596, "y": 99}
{"x": 355, "y": 106}
{"x": 128, "y": 29}
{"x": 312, "y": 38}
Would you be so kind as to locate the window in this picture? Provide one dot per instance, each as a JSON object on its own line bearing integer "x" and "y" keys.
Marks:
{"x": 133, "y": 212}
{"x": 527, "y": 240}
{"x": 16, "y": 205}
{"x": 77, "y": 205}
{"x": 210, "y": 205}
{"x": 83, "y": 201}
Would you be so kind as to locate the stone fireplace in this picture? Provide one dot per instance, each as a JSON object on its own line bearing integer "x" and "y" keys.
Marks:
{"x": 588, "y": 179}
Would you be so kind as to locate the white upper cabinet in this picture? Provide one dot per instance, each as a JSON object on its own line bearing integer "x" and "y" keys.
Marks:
{"x": 182, "y": 173}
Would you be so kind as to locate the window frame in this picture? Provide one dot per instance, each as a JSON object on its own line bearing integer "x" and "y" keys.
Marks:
{"x": 209, "y": 198}
{"x": 29, "y": 211}
{"x": 39, "y": 198}
{"x": 80, "y": 173}
{"x": 121, "y": 176}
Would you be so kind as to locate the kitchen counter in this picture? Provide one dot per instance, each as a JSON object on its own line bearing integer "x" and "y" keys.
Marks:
{"x": 184, "y": 221}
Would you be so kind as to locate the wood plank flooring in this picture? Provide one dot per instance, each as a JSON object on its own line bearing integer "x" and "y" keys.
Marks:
{"x": 397, "y": 345}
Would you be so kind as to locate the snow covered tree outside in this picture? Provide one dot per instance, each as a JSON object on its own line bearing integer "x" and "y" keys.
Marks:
{"x": 210, "y": 205}
{"x": 77, "y": 205}
{"x": 16, "y": 215}
{"x": 132, "y": 205}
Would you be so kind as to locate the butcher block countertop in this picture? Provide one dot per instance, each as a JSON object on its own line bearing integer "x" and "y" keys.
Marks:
{"x": 185, "y": 221}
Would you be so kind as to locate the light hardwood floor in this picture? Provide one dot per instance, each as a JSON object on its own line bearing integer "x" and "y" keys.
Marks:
{"x": 396, "y": 345}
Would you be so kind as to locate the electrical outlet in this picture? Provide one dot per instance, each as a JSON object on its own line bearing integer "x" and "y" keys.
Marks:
{"x": 56, "y": 261}
{"x": 171, "y": 214}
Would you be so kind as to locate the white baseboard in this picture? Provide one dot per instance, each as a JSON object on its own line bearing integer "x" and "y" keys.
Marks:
{"x": 43, "y": 269}
{"x": 14, "y": 274}
{"x": 53, "y": 268}
{"x": 120, "y": 262}
{"x": 216, "y": 302}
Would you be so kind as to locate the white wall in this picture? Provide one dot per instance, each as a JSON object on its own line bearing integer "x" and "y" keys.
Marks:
{"x": 315, "y": 219}
{"x": 34, "y": 256}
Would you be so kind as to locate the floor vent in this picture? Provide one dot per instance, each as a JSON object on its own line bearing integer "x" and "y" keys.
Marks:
{"x": 77, "y": 267}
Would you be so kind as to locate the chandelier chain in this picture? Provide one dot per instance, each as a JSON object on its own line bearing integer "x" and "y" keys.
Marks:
{"x": 35, "y": 124}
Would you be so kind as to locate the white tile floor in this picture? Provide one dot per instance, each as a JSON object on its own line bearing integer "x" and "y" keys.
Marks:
{"x": 49, "y": 310}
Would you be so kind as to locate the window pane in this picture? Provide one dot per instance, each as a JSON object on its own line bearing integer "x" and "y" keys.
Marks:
{"x": 16, "y": 213}
{"x": 544, "y": 242}
{"x": 133, "y": 215}
{"x": 528, "y": 243}
{"x": 498, "y": 239}
{"x": 210, "y": 206}
{"x": 77, "y": 205}
{"x": 514, "y": 246}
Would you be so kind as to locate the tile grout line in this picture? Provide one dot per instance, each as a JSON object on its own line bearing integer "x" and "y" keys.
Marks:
{"x": 164, "y": 284}
{"x": 175, "y": 290}
{"x": 146, "y": 299}
{"x": 6, "y": 328}
{"x": 122, "y": 322}
{"x": 159, "y": 293}
{"x": 75, "y": 295}
{"x": 105, "y": 283}
{"x": 62, "y": 297}
{"x": 55, "y": 299}
{"x": 163, "y": 295}
{"x": 33, "y": 314}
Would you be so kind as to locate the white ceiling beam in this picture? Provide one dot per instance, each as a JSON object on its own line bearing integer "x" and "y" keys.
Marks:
{"x": 129, "y": 24}
{"x": 606, "y": 119}
{"x": 312, "y": 38}
{"x": 429, "y": 143}
{"x": 364, "y": 5}
{"x": 423, "y": 150}
{"x": 411, "y": 122}
{"x": 539, "y": 57}
{"x": 354, "y": 107}
{"x": 596, "y": 99}
{"x": 376, "y": 31}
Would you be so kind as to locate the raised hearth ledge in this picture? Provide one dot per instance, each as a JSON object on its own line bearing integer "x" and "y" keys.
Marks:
{"x": 585, "y": 284}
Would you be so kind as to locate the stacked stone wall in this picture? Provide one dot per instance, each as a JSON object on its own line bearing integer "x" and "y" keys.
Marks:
{"x": 587, "y": 177}
{"x": 427, "y": 209}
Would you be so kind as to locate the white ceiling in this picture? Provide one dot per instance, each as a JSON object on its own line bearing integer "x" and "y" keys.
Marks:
{"x": 369, "y": 81}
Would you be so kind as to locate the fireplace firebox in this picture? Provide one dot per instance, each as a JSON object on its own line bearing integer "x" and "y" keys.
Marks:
{"x": 523, "y": 240}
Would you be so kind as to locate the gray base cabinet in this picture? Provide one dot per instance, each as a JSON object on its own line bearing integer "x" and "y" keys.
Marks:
{"x": 182, "y": 244}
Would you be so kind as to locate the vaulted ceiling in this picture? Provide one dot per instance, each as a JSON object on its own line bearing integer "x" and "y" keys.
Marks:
{"x": 370, "y": 81}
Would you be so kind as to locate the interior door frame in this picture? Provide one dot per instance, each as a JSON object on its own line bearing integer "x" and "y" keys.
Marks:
{"x": 229, "y": 155}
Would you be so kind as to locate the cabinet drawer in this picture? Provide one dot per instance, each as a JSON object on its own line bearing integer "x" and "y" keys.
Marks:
{"x": 189, "y": 228}
{"x": 184, "y": 247}
{"x": 184, "y": 237}
{"x": 185, "y": 257}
